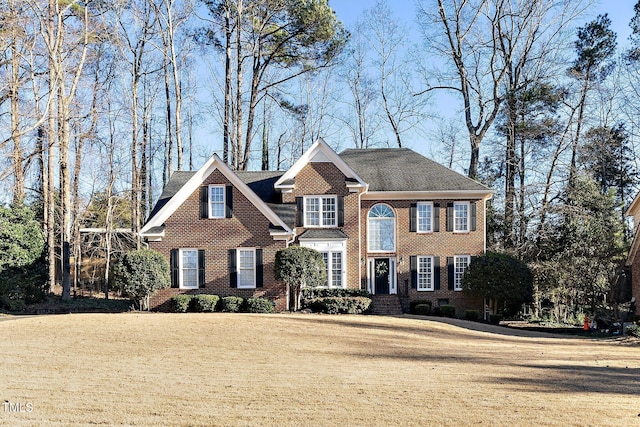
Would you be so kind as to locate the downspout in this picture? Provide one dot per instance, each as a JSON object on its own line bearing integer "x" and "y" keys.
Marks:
{"x": 360, "y": 265}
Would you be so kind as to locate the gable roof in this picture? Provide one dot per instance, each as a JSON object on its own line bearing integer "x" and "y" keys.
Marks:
{"x": 183, "y": 184}
{"x": 319, "y": 152}
{"x": 403, "y": 171}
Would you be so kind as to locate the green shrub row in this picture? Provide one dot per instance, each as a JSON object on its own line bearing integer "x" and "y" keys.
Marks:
{"x": 338, "y": 305}
{"x": 422, "y": 307}
{"x": 472, "y": 315}
{"x": 208, "y": 303}
{"x": 634, "y": 331}
{"x": 445, "y": 311}
{"x": 313, "y": 293}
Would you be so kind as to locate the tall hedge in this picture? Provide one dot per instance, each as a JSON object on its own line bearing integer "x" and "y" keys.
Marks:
{"x": 140, "y": 273}
{"x": 23, "y": 277}
{"x": 300, "y": 267}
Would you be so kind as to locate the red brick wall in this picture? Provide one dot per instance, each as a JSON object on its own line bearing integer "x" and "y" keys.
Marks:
{"x": 442, "y": 243}
{"x": 247, "y": 228}
{"x": 326, "y": 178}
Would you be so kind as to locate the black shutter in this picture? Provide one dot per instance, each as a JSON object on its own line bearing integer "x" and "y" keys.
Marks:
{"x": 340, "y": 211}
{"x": 436, "y": 273}
{"x": 451, "y": 272}
{"x": 228, "y": 200}
{"x": 436, "y": 217}
{"x": 233, "y": 271}
{"x": 204, "y": 202}
{"x": 413, "y": 265}
{"x": 175, "y": 268}
{"x": 449, "y": 216}
{"x": 259, "y": 268}
{"x": 472, "y": 216}
{"x": 201, "y": 277}
{"x": 413, "y": 217}
{"x": 299, "y": 212}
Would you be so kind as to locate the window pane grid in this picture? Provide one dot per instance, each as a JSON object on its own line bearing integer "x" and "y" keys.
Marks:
{"x": 461, "y": 263}
{"x": 328, "y": 211}
{"x": 425, "y": 273}
{"x": 246, "y": 268}
{"x": 461, "y": 216}
{"x": 189, "y": 268}
{"x": 382, "y": 229}
{"x": 216, "y": 202}
{"x": 424, "y": 217}
{"x": 336, "y": 269}
{"x": 312, "y": 212}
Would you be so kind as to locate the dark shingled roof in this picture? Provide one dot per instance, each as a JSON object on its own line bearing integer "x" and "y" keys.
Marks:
{"x": 323, "y": 233}
{"x": 402, "y": 169}
{"x": 260, "y": 182}
{"x": 176, "y": 182}
{"x": 384, "y": 169}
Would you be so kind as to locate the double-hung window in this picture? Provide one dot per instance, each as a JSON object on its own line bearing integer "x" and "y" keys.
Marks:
{"x": 461, "y": 217}
{"x": 424, "y": 212}
{"x": 425, "y": 273}
{"x": 461, "y": 262}
{"x": 188, "y": 268}
{"x": 216, "y": 201}
{"x": 246, "y": 268}
{"x": 320, "y": 211}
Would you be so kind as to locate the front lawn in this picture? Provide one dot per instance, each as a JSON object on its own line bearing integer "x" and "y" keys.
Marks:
{"x": 306, "y": 370}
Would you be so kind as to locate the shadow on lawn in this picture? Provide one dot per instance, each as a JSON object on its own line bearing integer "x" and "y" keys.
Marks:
{"x": 490, "y": 330}
{"x": 577, "y": 379}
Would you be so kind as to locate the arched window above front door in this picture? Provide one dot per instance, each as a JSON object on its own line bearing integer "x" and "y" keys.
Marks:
{"x": 382, "y": 229}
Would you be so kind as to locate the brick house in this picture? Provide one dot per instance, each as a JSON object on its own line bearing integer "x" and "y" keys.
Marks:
{"x": 387, "y": 220}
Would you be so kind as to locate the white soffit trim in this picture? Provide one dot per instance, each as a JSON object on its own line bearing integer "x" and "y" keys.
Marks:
{"x": 633, "y": 208}
{"x": 318, "y": 152}
{"x": 197, "y": 179}
{"x": 425, "y": 195}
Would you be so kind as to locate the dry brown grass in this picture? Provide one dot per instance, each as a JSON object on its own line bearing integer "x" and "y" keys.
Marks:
{"x": 306, "y": 370}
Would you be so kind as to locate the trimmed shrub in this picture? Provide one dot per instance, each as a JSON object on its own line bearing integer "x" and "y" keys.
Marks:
{"x": 205, "y": 303}
{"x": 232, "y": 304}
{"x": 446, "y": 311}
{"x": 138, "y": 274}
{"x": 422, "y": 309}
{"x": 259, "y": 305}
{"x": 313, "y": 293}
{"x": 634, "y": 331}
{"x": 495, "y": 318}
{"x": 339, "y": 305}
{"x": 181, "y": 303}
{"x": 472, "y": 315}
{"x": 414, "y": 304}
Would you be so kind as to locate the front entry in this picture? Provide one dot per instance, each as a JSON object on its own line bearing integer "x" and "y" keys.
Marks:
{"x": 381, "y": 271}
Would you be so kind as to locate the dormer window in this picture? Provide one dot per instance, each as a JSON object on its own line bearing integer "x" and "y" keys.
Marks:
{"x": 320, "y": 211}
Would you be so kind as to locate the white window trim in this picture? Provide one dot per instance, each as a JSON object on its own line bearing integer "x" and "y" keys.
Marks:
{"x": 457, "y": 284}
{"x": 371, "y": 274}
{"x": 180, "y": 269}
{"x": 320, "y": 211}
{"x": 467, "y": 222}
{"x": 330, "y": 247}
{"x": 430, "y": 230}
{"x": 238, "y": 250}
{"x": 224, "y": 201}
{"x": 430, "y": 287}
{"x": 395, "y": 231}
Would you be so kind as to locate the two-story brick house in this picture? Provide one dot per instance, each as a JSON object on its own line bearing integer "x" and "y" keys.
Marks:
{"x": 387, "y": 220}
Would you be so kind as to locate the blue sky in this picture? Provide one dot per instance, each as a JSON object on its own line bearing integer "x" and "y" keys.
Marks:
{"x": 620, "y": 12}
